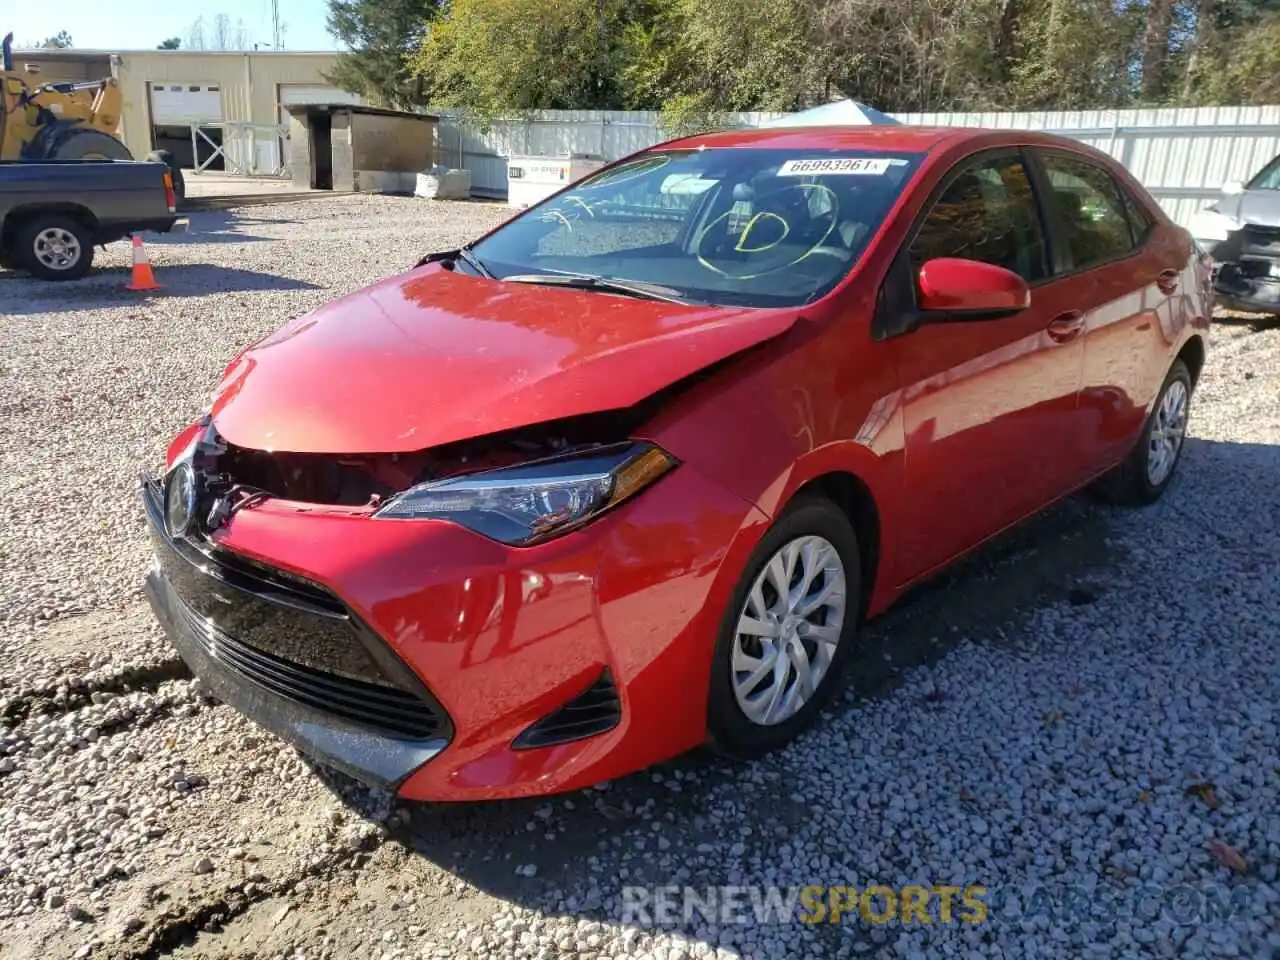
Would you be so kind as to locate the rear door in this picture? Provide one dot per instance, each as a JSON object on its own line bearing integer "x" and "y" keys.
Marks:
{"x": 1126, "y": 276}
{"x": 990, "y": 406}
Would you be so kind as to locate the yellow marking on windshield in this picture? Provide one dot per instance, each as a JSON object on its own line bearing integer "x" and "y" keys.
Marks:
{"x": 741, "y": 246}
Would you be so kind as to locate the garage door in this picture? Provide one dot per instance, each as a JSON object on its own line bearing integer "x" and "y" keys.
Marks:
{"x": 178, "y": 104}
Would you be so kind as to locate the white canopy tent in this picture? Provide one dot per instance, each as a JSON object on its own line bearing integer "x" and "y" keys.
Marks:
{"x": 839, "y": 113}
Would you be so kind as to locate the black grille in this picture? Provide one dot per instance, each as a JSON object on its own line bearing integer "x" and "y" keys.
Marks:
{"x": 291, "y": 636}
{"x": 393, "y": 711}
{"x": 590, "y": 713}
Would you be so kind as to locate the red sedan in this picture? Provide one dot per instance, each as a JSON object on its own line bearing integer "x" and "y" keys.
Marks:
{"x": 625, "y": 475}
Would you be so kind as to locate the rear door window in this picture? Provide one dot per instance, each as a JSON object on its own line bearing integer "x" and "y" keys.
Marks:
{"x": 1090, "y": 209}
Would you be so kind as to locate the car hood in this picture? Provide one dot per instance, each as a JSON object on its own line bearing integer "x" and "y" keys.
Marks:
{"x": 1253, "y": 206}
{"x": 434, "y": 356}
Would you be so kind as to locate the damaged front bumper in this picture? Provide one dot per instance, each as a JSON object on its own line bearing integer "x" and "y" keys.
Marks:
{"x": 1238, "y": 288}
{"x": 1246, "y": 272}
{"x": 291, "y": 658}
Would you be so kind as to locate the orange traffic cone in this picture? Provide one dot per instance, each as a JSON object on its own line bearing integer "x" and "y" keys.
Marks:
{"x": 144, "y": 278}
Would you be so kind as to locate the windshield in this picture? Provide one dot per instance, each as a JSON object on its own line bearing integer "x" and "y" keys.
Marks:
{"x": 740, "y": 227}
{"x": 1268, "y": 178}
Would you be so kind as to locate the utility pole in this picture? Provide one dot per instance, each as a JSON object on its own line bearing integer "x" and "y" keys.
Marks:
{"x": 277, "y": 35}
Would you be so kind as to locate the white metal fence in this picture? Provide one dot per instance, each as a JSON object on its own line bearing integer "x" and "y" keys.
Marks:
{"x": 1183, "y": 155}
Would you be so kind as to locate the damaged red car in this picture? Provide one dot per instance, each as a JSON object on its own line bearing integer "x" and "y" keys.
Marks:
{"x": 625, "y": 475}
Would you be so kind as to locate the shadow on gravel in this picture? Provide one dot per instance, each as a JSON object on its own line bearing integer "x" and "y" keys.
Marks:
{"x": 1045, "y": 560}
{"x": 218, "y": 226}
{"x": 1255, "y": 322}
{"x": 104, "y": 289}
{"x": 213, "y": 226}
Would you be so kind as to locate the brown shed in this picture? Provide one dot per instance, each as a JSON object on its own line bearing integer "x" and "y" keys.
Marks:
{"x": 365, "y": 149}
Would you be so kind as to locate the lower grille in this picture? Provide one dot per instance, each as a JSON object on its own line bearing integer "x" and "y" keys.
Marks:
{"x": 592, "y": 712}
{"x": 392, "y": 711}
{"x": 290, "y": 636}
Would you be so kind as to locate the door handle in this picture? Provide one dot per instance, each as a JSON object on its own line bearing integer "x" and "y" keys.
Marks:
{"x": 1167, "y": 281}
{"x": 1065, "y": 327}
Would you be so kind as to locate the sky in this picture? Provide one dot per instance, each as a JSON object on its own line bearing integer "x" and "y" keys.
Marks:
{"x": 142, "y": 24}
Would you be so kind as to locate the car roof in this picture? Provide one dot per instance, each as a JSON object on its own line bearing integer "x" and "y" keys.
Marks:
{"x": 897, "y": 137}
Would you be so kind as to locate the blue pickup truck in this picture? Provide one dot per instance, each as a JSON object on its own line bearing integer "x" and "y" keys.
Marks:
{"x": 53, "y": 214}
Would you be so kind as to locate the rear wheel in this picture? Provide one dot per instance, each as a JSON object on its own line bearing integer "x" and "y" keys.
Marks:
{"x": 179, "y": 182}
{"x": 1149, "y": 468}
{"x": 787, "y": 631}
{"x": 54, "y": 247}
{"x": 86, "y": 144}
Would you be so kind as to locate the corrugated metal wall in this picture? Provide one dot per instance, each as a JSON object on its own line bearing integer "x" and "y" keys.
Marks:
{"x": 1182, "y": 155}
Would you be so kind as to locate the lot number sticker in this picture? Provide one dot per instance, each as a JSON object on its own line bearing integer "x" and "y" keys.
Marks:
{"x": 870, "y": 166}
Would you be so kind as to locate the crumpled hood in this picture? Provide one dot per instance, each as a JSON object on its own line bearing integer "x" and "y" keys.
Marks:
{"x": 1253, "y": 206}
{"x": 433, "y": 356}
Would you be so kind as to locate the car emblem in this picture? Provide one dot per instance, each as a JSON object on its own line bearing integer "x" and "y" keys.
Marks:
{"x": 180, "y": 500}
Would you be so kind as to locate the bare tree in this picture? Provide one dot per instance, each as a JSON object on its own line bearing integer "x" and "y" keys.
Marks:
{"x": 196, "y": 39}
{"x": 222, "y": 32}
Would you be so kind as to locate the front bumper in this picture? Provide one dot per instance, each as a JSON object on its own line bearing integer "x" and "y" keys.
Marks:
{"x": 1256, "y": 295}
{"x": 339, "y": 707}
{"x": 499, "y": 639}
{"x": 369, "y": 757}
{"x": 1246, "y": 273}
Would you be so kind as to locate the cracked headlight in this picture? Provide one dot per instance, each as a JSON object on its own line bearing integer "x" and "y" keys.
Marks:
{"x": 535, "y": 501}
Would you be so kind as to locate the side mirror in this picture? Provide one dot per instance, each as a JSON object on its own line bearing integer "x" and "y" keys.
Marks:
{"x": 1232, "y": 188}
{"x": 956, "y": 289}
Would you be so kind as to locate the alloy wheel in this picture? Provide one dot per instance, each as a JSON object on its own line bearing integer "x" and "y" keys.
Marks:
{"x": 788, "y": 630}
{"x": 57, "y": 248}
{"x": 1167, "y": 433}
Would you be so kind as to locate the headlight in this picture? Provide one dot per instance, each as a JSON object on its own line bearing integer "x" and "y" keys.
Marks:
{"x": 536, "y": 501}
{"x": 1212, "y": 226}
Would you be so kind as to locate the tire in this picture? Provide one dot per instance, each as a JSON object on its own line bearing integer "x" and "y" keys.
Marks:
{"x": 811, "y": 522}
{"x": 1148, "y": 470}
{"x": 179, "y": 182}
{"x": 82, "y": 143}
{"x": 54, "y": 247}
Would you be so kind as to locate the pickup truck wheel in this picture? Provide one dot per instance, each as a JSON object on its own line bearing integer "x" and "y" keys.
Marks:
{"x": 54, "y": 248}
{"x": 179, "y": 182}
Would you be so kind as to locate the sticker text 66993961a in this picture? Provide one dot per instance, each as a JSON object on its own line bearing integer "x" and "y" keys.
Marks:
{"x": 871, "y": 166}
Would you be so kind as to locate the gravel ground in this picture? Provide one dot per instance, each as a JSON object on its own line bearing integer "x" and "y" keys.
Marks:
{"x": 1082, "y": 718}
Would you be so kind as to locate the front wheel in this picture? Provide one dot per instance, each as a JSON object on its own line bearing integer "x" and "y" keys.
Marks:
{"x": 1147, "y": 471}
{"x": 785, "y": 635}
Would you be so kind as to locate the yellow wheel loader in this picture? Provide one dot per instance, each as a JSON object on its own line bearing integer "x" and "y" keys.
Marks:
{"x": 64, "y": 121}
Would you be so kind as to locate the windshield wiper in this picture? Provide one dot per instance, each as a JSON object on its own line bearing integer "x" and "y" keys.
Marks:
{"x": 580, "y": 281}
{"x": 462, "y": 253}
{"x": 472, "y": 261}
